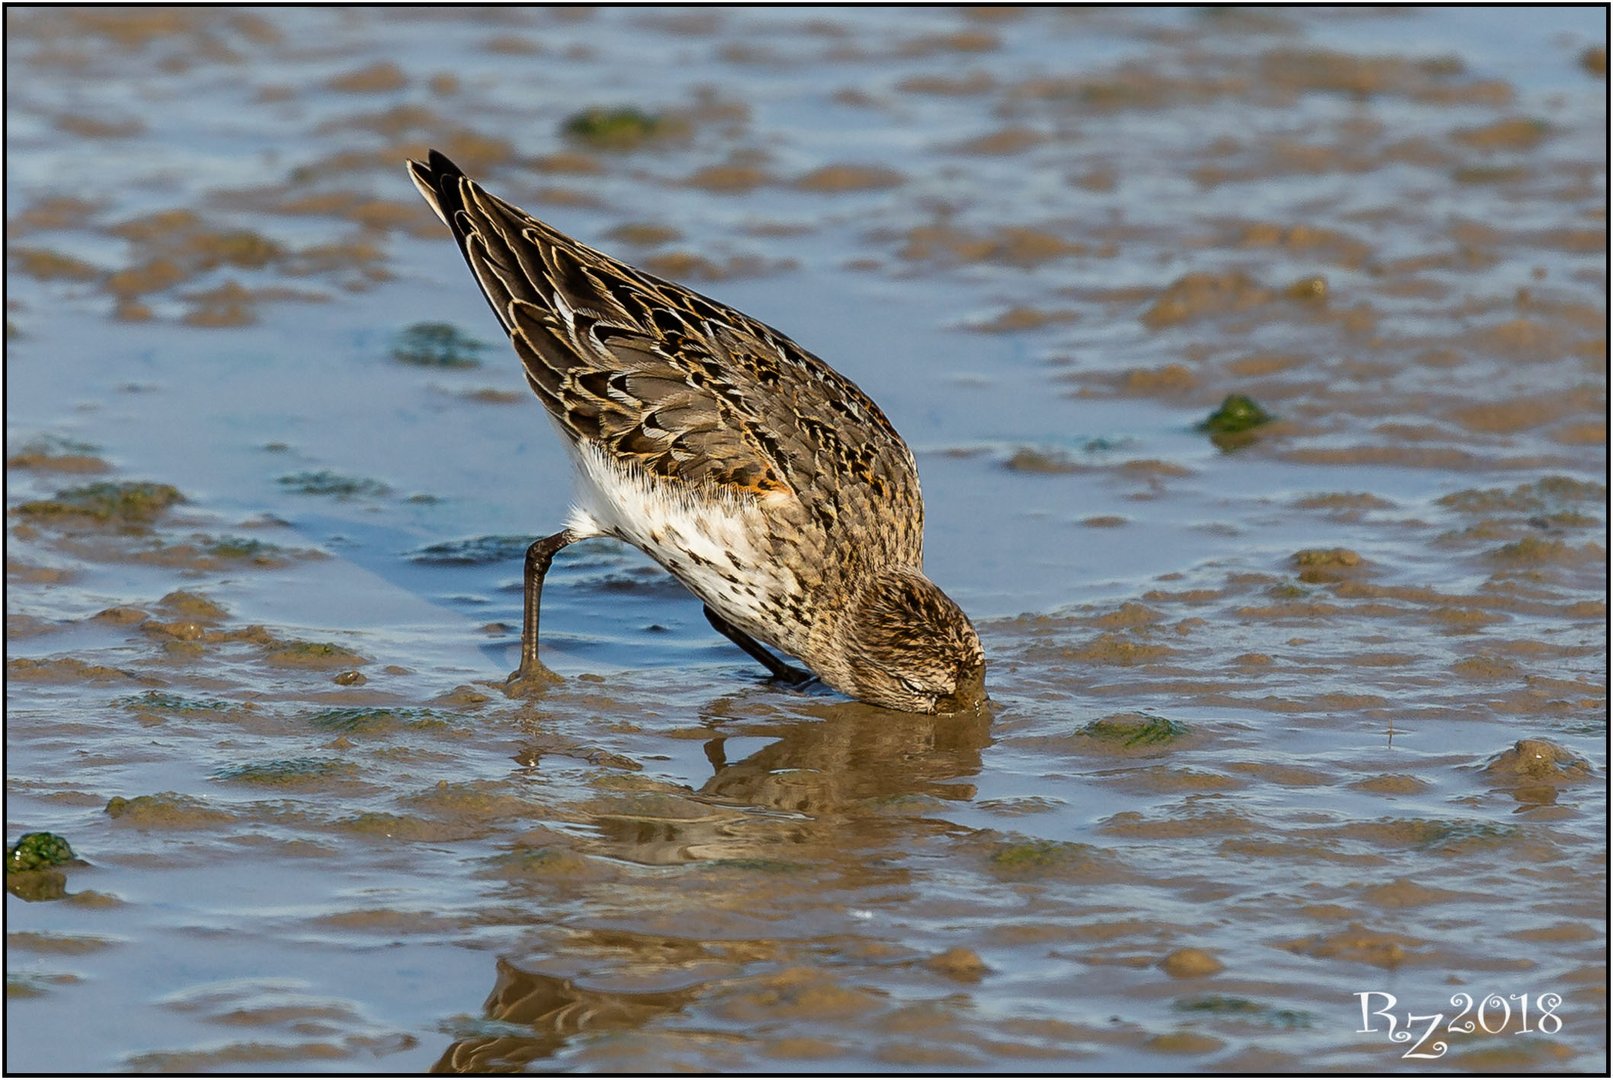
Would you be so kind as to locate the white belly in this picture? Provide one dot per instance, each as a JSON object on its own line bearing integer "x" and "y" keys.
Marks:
{"x": 712, "y": 546}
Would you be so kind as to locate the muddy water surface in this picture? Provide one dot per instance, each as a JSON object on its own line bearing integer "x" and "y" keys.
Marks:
{"x": 1279, "y": 718}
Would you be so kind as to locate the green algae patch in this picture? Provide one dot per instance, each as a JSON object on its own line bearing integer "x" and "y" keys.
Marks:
{"x": 131, "y": 503}
{"x": 374, "y": 719}
{"x": 312, "y": 654}
{"x": 1133, "y": 730}
{"x": 1232, "y": 425}
{"x": 472, "y": 551}
{"x": 38, "y": 851}
{"x": 437, "y": 344}
{"x": 760, "y": 866}
{"x": 166, "y": 810}
{"x": 206, "y": 552}
{"x": 163, "y": 701}
{"x": 286, "y": 772}
{"x": 618, "y": 128}
{"x": 1241, "y": 1008}
{"x": 334, "y": 484}
{"x": 237, "y": 547}
{"x": 1029, "y": 858}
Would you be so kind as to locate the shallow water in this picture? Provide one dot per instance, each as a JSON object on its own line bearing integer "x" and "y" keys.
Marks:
{"x": 1274, "y": 725}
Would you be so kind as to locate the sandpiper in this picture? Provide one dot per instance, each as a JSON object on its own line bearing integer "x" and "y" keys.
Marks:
{"x": 761, "y": 478}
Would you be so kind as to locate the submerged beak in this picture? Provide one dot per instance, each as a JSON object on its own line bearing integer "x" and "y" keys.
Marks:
{"x": 969, "y": 694}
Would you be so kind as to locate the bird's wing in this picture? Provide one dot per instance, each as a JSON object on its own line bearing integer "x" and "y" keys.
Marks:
{"x": 686, "y": 387}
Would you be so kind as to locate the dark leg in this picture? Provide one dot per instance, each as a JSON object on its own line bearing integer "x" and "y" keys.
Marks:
{"x": 778, "y": 668}
{"x": 538, "y": 558}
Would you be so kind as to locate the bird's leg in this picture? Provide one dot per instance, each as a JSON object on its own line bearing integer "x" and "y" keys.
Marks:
{"x": 776, "y": 667}
{"x": 538, "y": 557}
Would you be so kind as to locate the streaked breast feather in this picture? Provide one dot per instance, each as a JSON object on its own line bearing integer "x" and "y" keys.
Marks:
{"x": 713, "y": 539}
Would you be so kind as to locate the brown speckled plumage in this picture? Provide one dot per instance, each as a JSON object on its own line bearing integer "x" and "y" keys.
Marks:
{"x": 763, "y": 479}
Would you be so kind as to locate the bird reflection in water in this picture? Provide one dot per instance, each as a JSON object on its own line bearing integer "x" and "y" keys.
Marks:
{"x": 801, "y": 789}
{"x": 856, "y": 754}
{"x": 542, "y": 1012}
{"x": 797, "y": 800}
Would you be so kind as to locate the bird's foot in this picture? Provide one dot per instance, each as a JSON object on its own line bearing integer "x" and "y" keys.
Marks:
{"x": 529, "y": 681}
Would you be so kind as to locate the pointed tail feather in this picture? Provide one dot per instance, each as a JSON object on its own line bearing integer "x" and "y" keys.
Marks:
{"x": 437, "y": 178}
{"x": 446, "y": 188}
